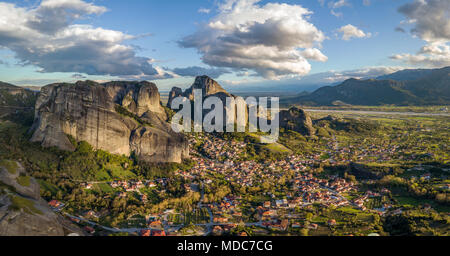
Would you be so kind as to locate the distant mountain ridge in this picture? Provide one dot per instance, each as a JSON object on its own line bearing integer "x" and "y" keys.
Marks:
{"x": 406, "y": 75}
{"x": 413, "y": 87}
{"x": 14, "y": 98}
{"x": 7, "y": 86}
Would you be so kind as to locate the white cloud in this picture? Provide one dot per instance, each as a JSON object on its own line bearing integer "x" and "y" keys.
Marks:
{"x": 366, "y": 2}
{"x": 53, "y": 15}
{"x": 333, "y": 5}
{"x": 362, "y": 73}
{"x": 337, "y": 14}
{"x": 204, "y": 10}
{"x": 338, "y": 4}
{"x": 314, "y": 54}
{"x": 314, "y": 81}
{"x": 429, "y": 20}
{"x": 45, "y": 36}
{"x": 431, "y": 55}
{"x": 266, "y": 39}
{"x": 349, "y": 31}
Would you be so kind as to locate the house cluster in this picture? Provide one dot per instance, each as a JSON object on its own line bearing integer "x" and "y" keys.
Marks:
{"x": 345, "y": 154}
{"x": 340, "y": 185}
{"x": 216, "y": 148}
{"x": 152, "y": 232}
{"x": 359, "y": 201}
{"x": 220, "y": 229}
{"x": 315, "y": 190}
{"x": 130, "y": 186}
{"x": 229, "y": 207}
{"x": 279, "y": 225}
{"x": 270, "y": 217}
{"x": 304, "y": 189}
{"x": 155, "y": 227}
{"x": 56, "y": 205}
{"x": 91, "y": 215}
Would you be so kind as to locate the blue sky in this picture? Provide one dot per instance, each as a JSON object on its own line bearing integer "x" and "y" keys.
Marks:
{"x": 169, "y": 42}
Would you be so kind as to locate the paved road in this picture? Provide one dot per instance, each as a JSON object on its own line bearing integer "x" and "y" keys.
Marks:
{"x": 363, "y": 112}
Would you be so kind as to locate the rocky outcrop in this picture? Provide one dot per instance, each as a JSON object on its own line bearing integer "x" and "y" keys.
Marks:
{"x": 108, "y": 116}
{"x": 137, "y": 97}
{"x": 22, "y": 211}
{"x": 298, "y": 120}
{"x": 175, "y": 92}
{"x": 208, "y": 86}
{"x": 150, "y": 143}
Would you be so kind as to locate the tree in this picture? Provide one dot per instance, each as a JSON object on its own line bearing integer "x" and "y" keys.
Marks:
{"x": 304, "y": 232}
{"x": 309, "y": 216}
{"x": 84, "y": 148}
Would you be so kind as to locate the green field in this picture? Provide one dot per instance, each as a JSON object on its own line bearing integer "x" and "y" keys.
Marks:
{"x": 408, "y": 201}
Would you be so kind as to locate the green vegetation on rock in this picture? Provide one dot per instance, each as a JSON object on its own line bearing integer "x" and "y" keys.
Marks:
{"x": 23, "y": 180}
{"x": 10, "y": 166}
{"x": 19, "y": 203}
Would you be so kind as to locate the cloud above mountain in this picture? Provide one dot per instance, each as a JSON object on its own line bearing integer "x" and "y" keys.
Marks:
{"x": 362, "y": 73}
{"x": 428, "y": 20}
{"x": 199, "y": 71}
{"x": 314, "y": 81}
{"x": 45, "y": 36}
{"x": 272, "y": 40}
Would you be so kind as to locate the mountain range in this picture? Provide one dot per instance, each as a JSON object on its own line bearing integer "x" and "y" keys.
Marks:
{"x": 406, "y": 87}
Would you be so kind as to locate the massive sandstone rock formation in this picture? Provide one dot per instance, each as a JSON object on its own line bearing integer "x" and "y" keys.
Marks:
{"x": 298, "y": 120}
{"x": 208, "y": 86}
{"x": 22, "y": 211}
{"x": 119, "y": 117}
{"x": 293, "y": 119}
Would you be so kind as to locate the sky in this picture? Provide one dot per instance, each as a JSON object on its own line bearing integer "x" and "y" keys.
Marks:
{"x": 240, "y": 43}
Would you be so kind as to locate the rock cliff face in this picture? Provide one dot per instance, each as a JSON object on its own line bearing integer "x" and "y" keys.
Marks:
{"x": 175, "y": 92}
{"x": 22, "y": 211}
{"x": 119, "y": 117}
{"x": 293, "y": 119}
{"x": 208, "y": 86}
{"x": 298, "y": 120}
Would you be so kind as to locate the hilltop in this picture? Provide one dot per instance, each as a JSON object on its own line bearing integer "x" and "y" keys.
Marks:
{"x": 15, "y": 96}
